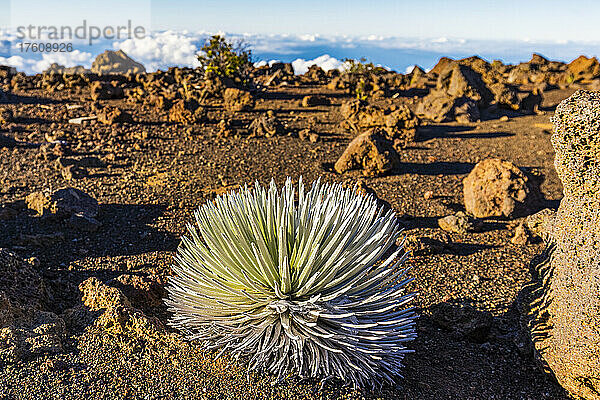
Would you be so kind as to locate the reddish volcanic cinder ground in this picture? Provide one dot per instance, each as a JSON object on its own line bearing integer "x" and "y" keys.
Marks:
{"x": 158, "y": 145}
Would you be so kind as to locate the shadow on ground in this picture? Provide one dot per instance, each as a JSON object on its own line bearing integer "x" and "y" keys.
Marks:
{"x": 126, "y": 230}
{"x": 449, "y": 132}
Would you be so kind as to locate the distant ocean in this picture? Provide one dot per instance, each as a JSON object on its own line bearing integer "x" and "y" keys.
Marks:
{"x": 163, "y": 49}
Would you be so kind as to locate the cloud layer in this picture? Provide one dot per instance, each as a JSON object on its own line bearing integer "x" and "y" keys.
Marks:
{"x": 161, "y": 50}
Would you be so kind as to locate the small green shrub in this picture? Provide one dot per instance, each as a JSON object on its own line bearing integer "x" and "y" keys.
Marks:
{"x": 228, "y": 59}
{"x": 361, "y": 76}
{"x": 358, "y": 67}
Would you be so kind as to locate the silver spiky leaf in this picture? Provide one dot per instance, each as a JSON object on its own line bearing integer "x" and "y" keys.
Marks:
{"x": 296, "y": 287}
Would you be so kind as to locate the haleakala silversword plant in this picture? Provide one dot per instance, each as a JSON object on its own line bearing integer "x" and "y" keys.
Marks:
{"x": 297, "y": 286}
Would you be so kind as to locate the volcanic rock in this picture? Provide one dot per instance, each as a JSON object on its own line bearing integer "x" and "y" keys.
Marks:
{"x": 105, "y": 91}
{"x": 265, "y": 125}
{"x": 442, "y": 65}
{"x": 398, "y": 122}
{"x": 350, "y": 109}
{"x": 25, "y": 330}
{"x": 225, "y": 128}
{"x": 116, "y": 62}
{"x": 461, "y": 81}
{"x": 498, "y": 188}
{"x": 187, "y": 112}
{"x": 530, "y": 102}
{"x": 63, "y": 203}
{"x": 371, "y": 152}
{"x": 308, "y": 134}
{"x": 439, "y": 107}
{"x": 466, "y": 110}
{"x": 459, "y": 223}
{"x": 117, "y": 314}
{"x": 583, "y": 67}
{"x": 7, "y": 72}
{"x": 315, "y": 100}
{"x": 238, "y": 100}
{"x": 315, "y": 74}
{"x": 114, "y": 115}
{"x": 565, "y": 299}
{"x": 286, "y": 68}
{"x": 505, "y": 96}
{"x": 521, "y": 235}
{"x": 146, "y": 291}
{"x": 97, "y": 296}
{"x": 417, "y": 78}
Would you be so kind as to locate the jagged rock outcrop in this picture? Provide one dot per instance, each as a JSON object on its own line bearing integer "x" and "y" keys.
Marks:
{"x": 26, "y": 330}
{"x": 116, "y": 62}
{"x": 462, "y": 81}
{"x": 584, "y": 68}
{"x": 459, "y": 94}
{"x": 399, "y": 123}
{"x": 564, "y": 302}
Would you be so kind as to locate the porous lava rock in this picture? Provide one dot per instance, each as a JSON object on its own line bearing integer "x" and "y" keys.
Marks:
{"x": 564, "y": 301}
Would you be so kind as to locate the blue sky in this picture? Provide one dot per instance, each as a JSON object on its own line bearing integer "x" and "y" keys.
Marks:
{"x": 473, "y": 19}
{"x": 395, "y": 34}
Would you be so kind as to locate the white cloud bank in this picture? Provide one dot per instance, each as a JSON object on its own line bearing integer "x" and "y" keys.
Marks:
{"x": 161, "y": 50}
{"x": 32, "y": 65}
{"x": 325, "y": 61}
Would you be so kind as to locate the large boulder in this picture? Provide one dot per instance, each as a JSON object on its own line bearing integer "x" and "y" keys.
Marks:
{"x": 505, "y": 96}
{"x": 583, "y": 67}
{"x": 538, "y": 70}
{"x": 370, "y": 151}
{"x": 498, "y": 188}
{"x": 62, "y": 203}
{"x": 564, "y": 311}
{"x": 437, "y": 106}
{"x": 417, "y": 78}
{"x": 460, "y": 92}
{"x": 399, "y": 123}
{"x": 116, "y": 62}
{"x": 462, "y": 81}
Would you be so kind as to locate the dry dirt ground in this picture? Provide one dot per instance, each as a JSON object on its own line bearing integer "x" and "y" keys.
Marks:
{"x": 157, "y": 173}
